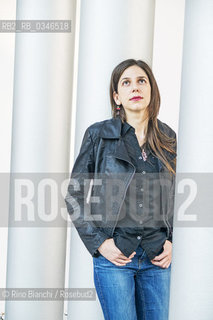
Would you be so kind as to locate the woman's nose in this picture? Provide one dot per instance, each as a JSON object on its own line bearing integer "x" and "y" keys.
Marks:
{"x": 135, "y": 87}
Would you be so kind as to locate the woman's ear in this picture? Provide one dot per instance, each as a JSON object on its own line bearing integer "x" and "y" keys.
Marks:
{"x": 116, "y": 98}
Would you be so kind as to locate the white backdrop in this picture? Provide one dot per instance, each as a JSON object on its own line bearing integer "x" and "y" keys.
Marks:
{"x": 167, "y": 59}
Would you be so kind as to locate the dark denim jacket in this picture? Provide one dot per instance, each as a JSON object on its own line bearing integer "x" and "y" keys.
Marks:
{"x": 102, "y": 167}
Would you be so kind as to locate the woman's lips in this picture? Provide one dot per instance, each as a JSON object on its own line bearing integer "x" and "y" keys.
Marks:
{"x": 136, "y": 98}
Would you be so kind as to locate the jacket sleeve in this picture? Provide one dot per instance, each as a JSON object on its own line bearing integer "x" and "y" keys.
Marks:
{"x": 171, "y": 210}
{"x": 76, "y": 199}
{"x": 172, "y": 199}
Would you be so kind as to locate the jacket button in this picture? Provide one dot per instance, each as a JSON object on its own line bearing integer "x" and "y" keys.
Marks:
{"x": 140, "y": 205}
{"x": 142, "y": 189}
{"x": 140, "y": 158}
{"x": 140, "y": 221}
{"x": 138, "y": 237}
{"x": 143, "y": 172}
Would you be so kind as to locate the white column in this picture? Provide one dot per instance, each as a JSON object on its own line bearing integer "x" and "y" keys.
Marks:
{"x": 7, "y": 43}
{"x": 110, "y": 32}
{"x": 40, "y": 143}
{"x": 192, "y": 280}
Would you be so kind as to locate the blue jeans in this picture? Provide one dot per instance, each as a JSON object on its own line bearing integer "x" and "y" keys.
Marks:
{"x": 137, "y": 291}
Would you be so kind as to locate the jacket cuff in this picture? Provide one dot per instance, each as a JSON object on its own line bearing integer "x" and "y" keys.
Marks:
{"x": 102, "y": 237}
{"x": 170, "y": 237}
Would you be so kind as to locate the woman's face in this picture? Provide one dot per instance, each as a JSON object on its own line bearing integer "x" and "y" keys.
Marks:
{"x": 134, "y": 90}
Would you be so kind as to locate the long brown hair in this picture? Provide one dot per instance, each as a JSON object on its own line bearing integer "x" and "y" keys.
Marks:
{"x": 154, "y": 136}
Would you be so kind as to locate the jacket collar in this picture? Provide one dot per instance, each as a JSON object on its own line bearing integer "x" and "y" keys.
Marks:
{"x": 111, "y": 129}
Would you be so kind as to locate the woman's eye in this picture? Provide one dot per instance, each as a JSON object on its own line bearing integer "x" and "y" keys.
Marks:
{"x": 126, "y": 82}
{"x": 142, "y": 81}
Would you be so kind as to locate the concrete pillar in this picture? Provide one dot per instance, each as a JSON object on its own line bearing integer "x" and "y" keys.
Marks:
{"x": 110, "y": 32}
{"x": 191, "y": 279}
{"x": 40, "y": 144}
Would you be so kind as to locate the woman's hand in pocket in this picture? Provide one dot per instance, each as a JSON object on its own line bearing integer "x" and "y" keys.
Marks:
{"x": 164, "y": 259}
{"x": 109, "y": 250}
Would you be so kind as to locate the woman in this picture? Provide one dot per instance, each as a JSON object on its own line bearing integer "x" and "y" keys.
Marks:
{"x": 128, "y": 230}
